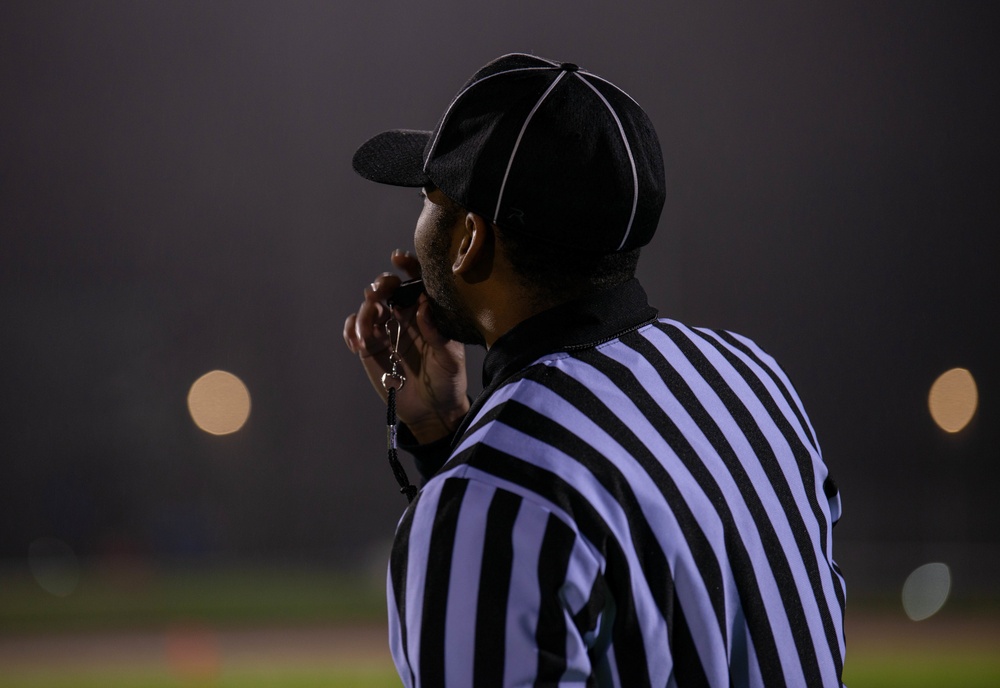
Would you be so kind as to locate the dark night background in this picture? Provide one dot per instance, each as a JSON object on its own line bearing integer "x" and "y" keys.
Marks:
{"x": 176, "y": 196}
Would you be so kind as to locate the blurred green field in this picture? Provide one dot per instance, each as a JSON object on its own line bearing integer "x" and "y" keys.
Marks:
{"x": 181, "y": 627}
{"x": 869, "y": 669}
{"x": 303, "y": 677}
{"x": 142, "y": 596}
{"x": 309, "y": 628}
{"x": 873, "y": 668}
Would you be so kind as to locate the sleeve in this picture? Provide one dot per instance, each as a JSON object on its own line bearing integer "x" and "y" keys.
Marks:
{"x": 488, "y": 588}
{"x": 428, "y": 458}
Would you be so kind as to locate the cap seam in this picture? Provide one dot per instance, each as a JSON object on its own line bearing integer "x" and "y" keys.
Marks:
{"x": 517, "y": 142}
{"x": 614, "y": 86}
{"x": 631, "y": 158}
{"x": 447, "y": 113}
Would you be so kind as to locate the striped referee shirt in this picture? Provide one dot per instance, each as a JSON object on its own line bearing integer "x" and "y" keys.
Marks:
{"x": 631, "y": 502}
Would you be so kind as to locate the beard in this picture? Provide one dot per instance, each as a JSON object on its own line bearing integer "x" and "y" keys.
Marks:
{"x": 454, "y": 325}
{"x": 448, "y": 312}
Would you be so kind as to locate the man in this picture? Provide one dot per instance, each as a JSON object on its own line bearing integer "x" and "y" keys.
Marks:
{"x": 630, "y": 501}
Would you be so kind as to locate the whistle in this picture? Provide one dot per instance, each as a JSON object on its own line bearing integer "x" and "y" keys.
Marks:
{"x": 406, "y": 294}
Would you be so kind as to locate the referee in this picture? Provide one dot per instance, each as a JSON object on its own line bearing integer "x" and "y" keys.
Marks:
{"x": 631, "y": 501}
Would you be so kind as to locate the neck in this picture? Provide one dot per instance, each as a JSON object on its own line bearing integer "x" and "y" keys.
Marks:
{"x": 505, "y": 314}
{"x": 502, "y": 305}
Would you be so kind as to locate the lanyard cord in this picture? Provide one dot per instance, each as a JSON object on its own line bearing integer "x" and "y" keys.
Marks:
{"x": 397, "y": 468}
{"x": 392, "y": 382}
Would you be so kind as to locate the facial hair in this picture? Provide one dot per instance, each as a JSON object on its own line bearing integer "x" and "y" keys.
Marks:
{"x": 448, "y": 312}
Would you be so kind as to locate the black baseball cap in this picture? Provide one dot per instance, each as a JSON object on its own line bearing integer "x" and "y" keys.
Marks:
{"x": 539, "y": 147}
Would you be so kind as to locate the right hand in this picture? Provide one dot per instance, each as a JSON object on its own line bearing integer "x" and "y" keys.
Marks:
{"x": 434, "y": 398}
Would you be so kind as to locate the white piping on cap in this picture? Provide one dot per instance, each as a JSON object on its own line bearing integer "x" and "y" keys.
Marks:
{"x": 527, "y": 120}
{"x": 628, "y": 149}
{"x": 602, "y": 79}
{"x": 444, "y": 119}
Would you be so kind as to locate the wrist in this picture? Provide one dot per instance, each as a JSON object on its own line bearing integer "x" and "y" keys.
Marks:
{"x": 439, "y": 425}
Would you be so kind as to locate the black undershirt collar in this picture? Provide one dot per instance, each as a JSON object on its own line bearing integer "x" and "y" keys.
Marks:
{"x": 579, "y": 323}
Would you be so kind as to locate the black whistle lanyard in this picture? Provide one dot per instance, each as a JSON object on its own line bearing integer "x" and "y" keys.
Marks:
{"x": 392, "y": 382}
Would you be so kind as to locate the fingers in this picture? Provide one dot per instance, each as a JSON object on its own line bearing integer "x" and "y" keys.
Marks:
{"x": 407, "y": 262}
{"x": 364, "y": 331}
{"x": 350, "y": 335}
{"x": 369, "y": 323}
{"x": 384, "y": 285}
{"x": 357, "y": 343}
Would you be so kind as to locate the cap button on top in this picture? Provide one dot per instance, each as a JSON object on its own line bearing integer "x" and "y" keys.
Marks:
{"x": 568, "y": 67}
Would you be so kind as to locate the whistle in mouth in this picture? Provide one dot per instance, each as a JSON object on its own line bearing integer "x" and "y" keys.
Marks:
{"x": 406, "y": 294}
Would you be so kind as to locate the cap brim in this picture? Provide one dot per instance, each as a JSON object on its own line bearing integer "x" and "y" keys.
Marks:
{"x": 394, "y": 157}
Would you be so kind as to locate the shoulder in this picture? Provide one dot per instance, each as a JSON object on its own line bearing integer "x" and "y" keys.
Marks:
{"x": 725, "y": 343}
{"x": 521, "y": 440}
{"x": 485, "y": 494}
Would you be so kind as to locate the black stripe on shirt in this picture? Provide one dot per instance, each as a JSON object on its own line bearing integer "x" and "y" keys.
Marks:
{"x": 626, "y": 633}
{"x": 739, "y": 558}
{"x": 687, "y": 667}
{"x": 491, "y": 415}
{"x": 783, "y": 490}
{"x": 779, "y": 481}
{"x": 829, "y": 486}
{"x": 652, "y": 560}
{"x": 494, "y": 589}
{"x": 397, "y": 571}
{"x": 550, "y": 633}
{"x": 647, "y": 546}
{"x": 785, "y": 392}
{"x": 436, "y": 587}
{"x": 599, "y": 609}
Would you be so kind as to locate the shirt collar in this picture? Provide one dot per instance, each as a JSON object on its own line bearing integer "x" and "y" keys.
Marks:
{"x": 584, "y": 322}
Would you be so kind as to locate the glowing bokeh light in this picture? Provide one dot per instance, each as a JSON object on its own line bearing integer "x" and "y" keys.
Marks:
{"x": 219, "y": 402}
{"x": 926, "y": 590}
{"x": 953, "y": 399}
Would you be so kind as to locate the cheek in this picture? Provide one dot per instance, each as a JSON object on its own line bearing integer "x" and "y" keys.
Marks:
{"x": 422, "y": 235}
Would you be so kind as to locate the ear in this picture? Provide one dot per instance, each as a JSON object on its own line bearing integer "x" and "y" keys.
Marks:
{"x": 475, "y": 246}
